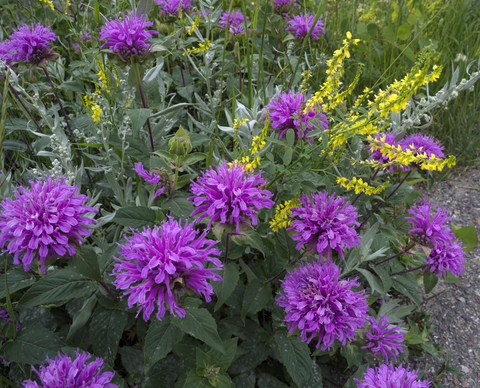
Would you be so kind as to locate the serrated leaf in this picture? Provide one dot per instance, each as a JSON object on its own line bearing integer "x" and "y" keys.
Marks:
{"x": 230, "y": 274}
{"x": 135, "y": 216}
{"x": 178, "y": 205}
{"x": 285, "y": 246}
{"x": 296, "y": 357}
{"x": 163, "y": 374}
{"x": 249, "y": 237}
{"x": 85, "y": 262}
{"x": 257, "y": 295}
{"x": 17, "y": 280}
{"x": 82, "y": 316}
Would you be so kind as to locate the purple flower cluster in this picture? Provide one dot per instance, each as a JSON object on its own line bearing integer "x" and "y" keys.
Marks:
{"x": 4, "y": 314}
{"x": 381, "y": 338}
{"x": 377, "y": 154}
{"x": 64, "y": 372}
{"x": 156, "y": 177}
{"x": 128, "y": 38}
{"x": 284, "y": 106}
{"x": 446, "y": 254}
{"x": 326, "y": 222}
{"x": 301, "y": 24}
{"x": 283, "y": 6}
{"x": 29, "y": 44}
{"x": 158, "y": 263}
{"x": 236, "y": 22}
{"x": 230, "y": 195}
{"x": 390, "y": 376}
{"x": 172, "y": 7}
{"x": 86, "y": 36}
{"x": 316, "y": 301}
{"x": 46, "y": 221}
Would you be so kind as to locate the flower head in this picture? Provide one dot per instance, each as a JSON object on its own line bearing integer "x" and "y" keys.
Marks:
{"x": 377, "y": 154}
{"x": 32, "y": 44}
{"x": 4, "y": 314}
{"x": 283, "y": 6}
{"x": 236, "y": 22}
{"x": 284, "y": 106}
{"x": 128, "y": 38}
{"x": 47, "y": 220}
{"x": 384, "y": 338}
{"x": 5, "y": 52}
{"x": 301, "y": 24}
{"x": 391, "y": 376}
{"x": 316, "y": 301}
{"x": 64, "y": 372}
{"x": 325, "y": 222}
{"x": 85, "y": 37}
{"x": 76, "y": 46}
{"x": 158, "y": 176}
{"x": 230, "y": 195}
{"x": 446, "y": 256}
{"x": 424, "y": 143}
{"x": 156, "y": 264}
{"x": 172, "y": 7}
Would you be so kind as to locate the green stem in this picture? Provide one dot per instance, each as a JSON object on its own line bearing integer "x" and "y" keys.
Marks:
{"x": 144, "y": 103}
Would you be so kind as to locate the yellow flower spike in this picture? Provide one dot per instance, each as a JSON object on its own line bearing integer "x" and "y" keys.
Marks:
{"x": 49, "y": 3}
{"x": 94, "y": 110}
{"x": 281, "y": 219}
{"x": 361, "y": 186}
{"x": 349, "y": 35}
{"x": 201, "y": 47}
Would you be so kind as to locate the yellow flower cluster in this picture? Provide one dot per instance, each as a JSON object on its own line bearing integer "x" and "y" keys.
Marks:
{"x": 195, "y": 24}
{"x": 94, "y": 110}
{"x": 201, "y": 47}
{"x": 236, "y": 125}
{"x": 307, "y": 74}
{"x": 49, "y": 3}
{"x": 258, "y": 142}
{"x": 102, "y": 77}
{"x": 281, "y": 219}
{"x": 361, "y": 186}
{"x": 410, "y": 156}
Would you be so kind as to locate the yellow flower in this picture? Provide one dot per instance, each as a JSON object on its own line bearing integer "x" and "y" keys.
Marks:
{"x": 281, "y": 219}
{"x": 361, "y": 186}
{"x": 94, "y": 110}
{"x": 201, "y": 47}
{"x": 49, "y": 3}
{"x": 195, "y": 24}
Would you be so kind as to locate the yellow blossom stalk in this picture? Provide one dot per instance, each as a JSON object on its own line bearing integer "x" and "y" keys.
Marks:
{"x": 361, "y": 186}
{"x": 201, "y": 47}
{"x": 307, "y": 74}
{"x": 195, "y": 24}
{"x": 49, "y": 3}
{"x": 102, "y": 77}
{"x": 282, "y": 219}
{"x": 94, "y": 110}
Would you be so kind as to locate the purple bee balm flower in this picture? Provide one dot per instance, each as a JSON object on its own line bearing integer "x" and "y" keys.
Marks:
{"x": 284, "y": 106}
{"x": 230, "y": 195}
{"x": 446, "y": 256}
{"x": 381, "y": 338}
{"x": 386, "y": 376}
{"x": 422, "y": 143}
{"x": 377, "y": 154}
{"x": 64, "y": 372}
{"x": 234, "y": 22}
{"x": 301, "y": 24}
{"x": 316, "y": 301}
{"x": 158, "y": 263}
{"x": 283, "y": 6}
{"x": 32, "y": 44}
{"x": 172, "y": 7}
{"x": 85, "y": 37}
{"x": 158, "y": 176}
{"x": 326, "y": 222}
{"x": 46, "y": 221}
{"x": 5, "y": 52}
{"x": 128, "y": 38}
{"x": 4, "y": 314}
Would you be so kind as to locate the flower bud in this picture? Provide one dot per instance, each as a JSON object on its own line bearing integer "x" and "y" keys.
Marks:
{"x": 180, "y": 144}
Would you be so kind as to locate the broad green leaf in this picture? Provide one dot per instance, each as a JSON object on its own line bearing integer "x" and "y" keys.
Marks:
{"x": 408, "y": 286}
{"x": 220, "y": 360}
{"x": 163, "y": 374}
{"x": 85, "y": 262}
{"x": 388, "y": 34}
{"x": 430, "y": 280}
{"x": 106, "y": 329}
{"x": 179, "y": 205}
{"x": 374, "y": 282}
{"x": 158, "y": 342}
{"x": 58, "y": 288}
{"x": 287, "y": 157}
{"x": 285, "y": 246}
{"x": 352, "y": 355}
{"x": 296, "y": 357}
{"x": 132, "y": 360}
{"x": 82, "y": 316}
{"x": 17, "y": 280}
{"x": 135, "y": 216}
{"x": 266, "y": 380}
{"x": 316, "y": 378}
{"x": 246, "y": 380}
{"x": 291, "y": 137}
{"x": 139, "y": 118}
{"x": 251, "y": 238}
{"x": 256, "y": 297}
{"x": 230, "y": 274}
{"x": 467, "y": 235}
{"x": 73, "y": 86}
{"x": 32, "y": 345}
{"x": 195, "y": 381}
{"x": 403, "y": 32}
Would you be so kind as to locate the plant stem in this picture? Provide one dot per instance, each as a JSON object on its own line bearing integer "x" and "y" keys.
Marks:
{"x": 109, "y": 291}
{"x": 144, "y": 102}
{"x": 396, "y": 255}
{"x": 19, "y": 99}
{"x": 227, "y": 245}
{"x": 283, "y": 271}
{"x": 409, "y": 270}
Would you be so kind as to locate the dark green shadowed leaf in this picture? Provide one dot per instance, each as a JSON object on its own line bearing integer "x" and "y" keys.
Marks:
{"x": 82, "y": 316}
{"x": 256, "y": 297}
{"x": 430, "y": 280}
{"x": 17, "y": 279}
{"x": 296, "y": 357}
{"x": 230, "y": 274}
{"x": 85, "y": 262}
{"x": 135, "y": 217}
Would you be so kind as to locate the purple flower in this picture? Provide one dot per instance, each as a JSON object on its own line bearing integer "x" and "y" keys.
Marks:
{"x": 326, "y": 222}
{"x": 283, "y": 6}
{"x": 76, "y": 46}
{"x": 423, "y": 143}
{"x": 172, "y": 7}
{"x": 85, "y": 37}
{"x": 160, "y": 262}
{"x": 380, "y": 338}
{"x": 377, "y": 154}
{"x": 230, "y": 195}
{"x": 391, "y": 376}
{"x": 301, "y": 24}
{"x": 284, "y": 106}
{"x": 128, "y": 38}
{"x": 5, "y": 52}
{"x": 32, "y": 44}
{"x": 64, "y": 372}
{"x": 316, "y": 301}
{"x": 446, "y": 256}
{"x": 158, "y": 176}
{"x": 45, "y": 221}
{"x": 235, "y": 22}
{"x": 4, "y": 314}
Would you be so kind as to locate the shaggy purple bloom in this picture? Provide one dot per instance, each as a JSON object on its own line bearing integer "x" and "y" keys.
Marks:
{"x": 156, "y": 177}
{"x": 5, "y": 52}
{"x": 284, "y": 106}
{"x": 128, "y": 38}
{"x": 32, "y": 44}
{"x": 301, "y": 24}
{"x": 389, "y": 376}
{"x": 158, "y": 263}
{"x": 234, "y": 23}
{"x": 423, "y": 143}
{"x": 283, "y": 6}
{"x": 382, "y": 339}
{"x": 85, "y": 37}
{"x": 377, "y": 154}
{"x": 63, "y": 372}
{"x": 172, "y": 7}
{"x": 230, "y": 195}
{"x": 326, "y": 222}
{"x": 4, "y": 314}
{"x": 45, "y": 221}
{"x": 446, "y": 256}
{"x": 316, "y": 301}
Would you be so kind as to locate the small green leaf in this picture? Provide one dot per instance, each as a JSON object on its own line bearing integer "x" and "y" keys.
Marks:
{"x": 82, "y": 316}
{"x": 430, "y": 280}
{"x": 256, "y": 297}
{"x": 287, "y": 158}
{"x": 291, "y": 137}
{"x": 374, "y": 282}
{"x": 467, "y": 235}
{"x": 403, "y": 32}
{"x": 144, "y": 7}
{"x": 249, "y": 237}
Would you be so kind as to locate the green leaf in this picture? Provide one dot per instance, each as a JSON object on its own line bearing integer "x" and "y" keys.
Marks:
{"x": 352, "y": 355}
{"x": 230, "y": 274}
{"x": 249, "y": 237}
{"x": 468, "y": 236}
{"x": 135, "y": 216}
{"x": 163, "y": 374}
{"x": 196, "y": 381}
{"x": 158, "y": 342}
{"x": 388, "y": 34}
{"x": 247, "y": 380}
{"x": 296, "y": 357}
{"x": 287, "y": 158}
{"x": 316, "y": 378}
{"x": 256, "y": 297}
{"x": 408, "y": 286}
{"x": 291, "y": 137}
{"x": 58, "y": 288}
{"x": 179, "y": 205}
{"x": 200, "y": 324}
{"x": 144, "y": 7}
{"x": 374, "y": 282}
{"x": 220, "y": 360}
{"x": 351, "y": 383}
{"x": 96, "y": 9}
{"x": 139, "y": 118}
{"x": 451, "y": 278}
{"x": 191, "y": 159}
{"x": 430, "y": 280}
{"x": 106, "y": 329}
{"x": 82, "y": 316}
{"x": 403, "y": 32}
{"x": 17, "y": 280}
{"x": 85, "y": 262}
{"x": 285, "y": 246}
{"x": 32, "y": 345}
{"x": 132, "y": 360}
{"x": 73, "y": 86}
